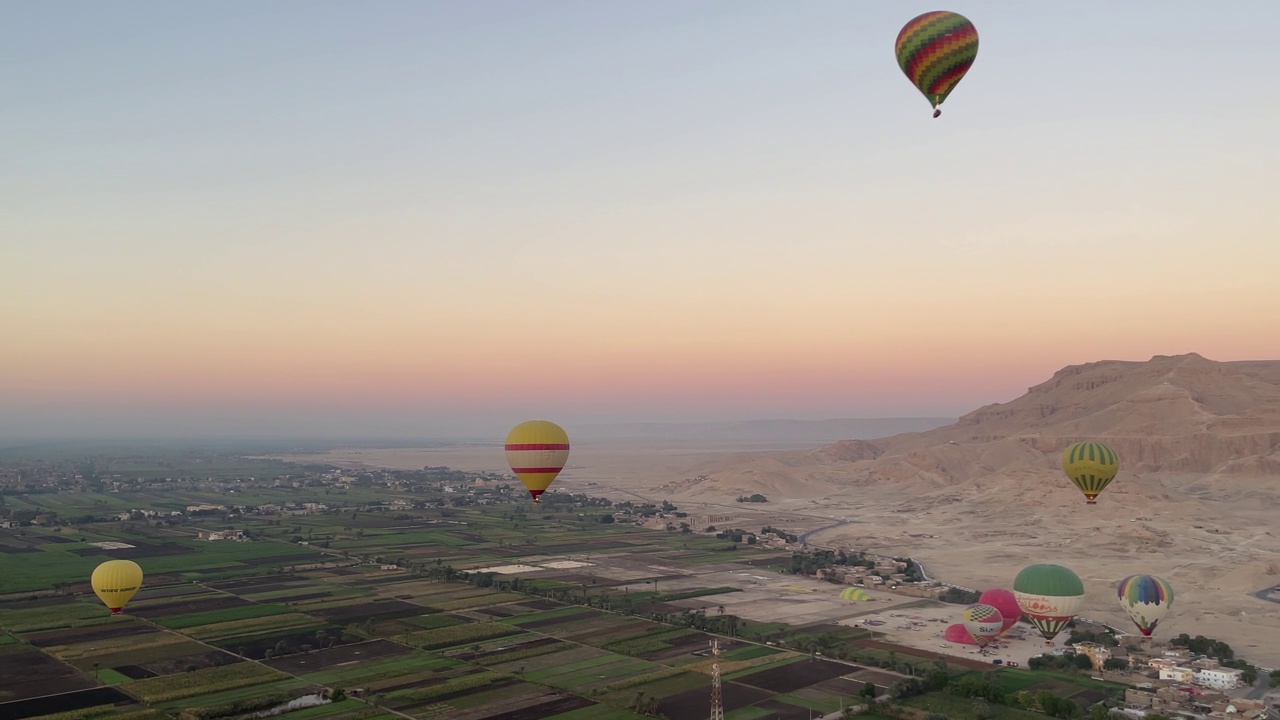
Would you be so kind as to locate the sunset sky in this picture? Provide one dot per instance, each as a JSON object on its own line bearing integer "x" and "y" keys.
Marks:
{"x": 438, "y": 218}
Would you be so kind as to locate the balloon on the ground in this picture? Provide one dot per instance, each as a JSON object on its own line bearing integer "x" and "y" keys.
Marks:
{"x": 1147, "y": 599}
{"x": 958, "y": 634}
{"x": 935, "y": 50}
{"x": 1050, "y": 596}
{"x": 115, "y": 582}
{"x": 983, "y": 622}
{"x": 537, "y": 451}
{"x": 1004, "y": 601}
{"x": 854, "y": 594}
{"x": 1091, "y": 466}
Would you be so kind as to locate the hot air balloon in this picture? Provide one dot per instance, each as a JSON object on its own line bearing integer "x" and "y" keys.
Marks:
{"x": 935, "y": 50}
{"x": 1050, "y": 596}
{"x": 537, "y": 451}
{"x": 958, "y": 634}
{"x": 1091, "y": 466}
{"x": 1006, "y": 603}
{"x": 983, "y": 622}
{"x": 854, "y": 594}
{"x": 1146, "y": 598}
{"x": 115, "y": 582}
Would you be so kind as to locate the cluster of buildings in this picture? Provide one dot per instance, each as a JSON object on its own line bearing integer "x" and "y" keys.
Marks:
{"x": 887, "y": 574}
{"x": 1189, "y": 686}
{"x": 1205, "y": 672}
{"x": 1175, "y": 665}
{"x": 1180, "y": 701}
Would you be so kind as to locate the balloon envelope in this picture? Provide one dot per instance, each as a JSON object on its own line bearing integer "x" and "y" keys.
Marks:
{"x": 537, "y": 451}
{"x": 958, "y": 634}
{"x": 115, "y": 582}
{"x": 983, "y": 622}
{"x": 854, "y": 594}
{"x": 1091, "y": 466}
{"x": 1004, "y": 601}
{"x": 935, "y": 50}
{"x": 1146, "y": 598}
{"x": 1049, "y": 595}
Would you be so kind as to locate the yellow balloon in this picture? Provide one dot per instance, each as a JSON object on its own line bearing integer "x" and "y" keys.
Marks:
{"x": 1091, "y": 466}
{"x": 115, "y": 582}
{"x": 537, "y": 451}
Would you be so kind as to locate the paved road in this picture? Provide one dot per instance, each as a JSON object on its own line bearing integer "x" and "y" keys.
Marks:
{"x": 1269, "y": 594}
{"x": 1259, "y": 688}
{"x": 804, "y": 537}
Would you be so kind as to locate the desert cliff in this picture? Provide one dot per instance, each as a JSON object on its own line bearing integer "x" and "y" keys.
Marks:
{"x": 1197, "y": 499}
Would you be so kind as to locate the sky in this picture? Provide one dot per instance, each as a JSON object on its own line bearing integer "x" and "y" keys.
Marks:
{"x": 437, "y": 219}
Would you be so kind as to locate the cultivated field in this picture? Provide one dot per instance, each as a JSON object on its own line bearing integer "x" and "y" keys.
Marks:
{"x": 474, "y": 614}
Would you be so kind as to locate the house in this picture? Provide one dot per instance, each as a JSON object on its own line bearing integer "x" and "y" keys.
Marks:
{"x": 1177, "y": 674}
{"x": 1097, "y": 654}
{"x": 212, "y": 535}
{"x": 925, "y": 590}
{"x": 1219, "y": 678}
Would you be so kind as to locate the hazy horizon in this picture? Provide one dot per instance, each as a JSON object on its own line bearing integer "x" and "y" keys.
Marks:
{"x": 387, "y": 431}
{"x": 418, "y": 218}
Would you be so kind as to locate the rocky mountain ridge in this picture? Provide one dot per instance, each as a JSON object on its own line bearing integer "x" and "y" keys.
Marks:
{"x": 1175, "y": 421}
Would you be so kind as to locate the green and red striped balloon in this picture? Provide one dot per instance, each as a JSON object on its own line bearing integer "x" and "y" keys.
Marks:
{"x": 935, "y": 50}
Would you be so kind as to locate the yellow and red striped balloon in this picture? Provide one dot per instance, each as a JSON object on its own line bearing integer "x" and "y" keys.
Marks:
{"x": 537, "y": 451}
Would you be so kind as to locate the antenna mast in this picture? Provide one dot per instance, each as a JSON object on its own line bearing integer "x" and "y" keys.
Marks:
{"x": 717, "y": 702}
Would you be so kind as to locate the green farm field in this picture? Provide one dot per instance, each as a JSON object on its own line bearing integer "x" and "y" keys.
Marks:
{"x": 393, "y": 619}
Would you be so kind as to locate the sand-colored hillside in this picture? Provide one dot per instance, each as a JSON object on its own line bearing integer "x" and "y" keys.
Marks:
{"x": 1196, "y": 500}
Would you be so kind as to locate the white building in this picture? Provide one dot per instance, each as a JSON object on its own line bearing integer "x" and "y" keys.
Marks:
{"x": 1177, "y": 674}
{"x": 1219, "y": 678}
{"x": 212, "y": 535}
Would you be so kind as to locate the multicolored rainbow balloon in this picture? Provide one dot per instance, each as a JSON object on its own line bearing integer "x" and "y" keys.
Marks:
{"x": 1146, "y": 598}
{"x": 935, "y": 50}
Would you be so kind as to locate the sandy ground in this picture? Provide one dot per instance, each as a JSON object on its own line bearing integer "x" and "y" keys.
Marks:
{"x": 922, "y": 627}
{"x": 1215, "y": 568}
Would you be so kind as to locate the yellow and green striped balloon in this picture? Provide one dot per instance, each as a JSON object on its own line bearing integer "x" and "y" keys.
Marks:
{"x": 1091, "y": 466}
{"x": 935, "y": 50}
